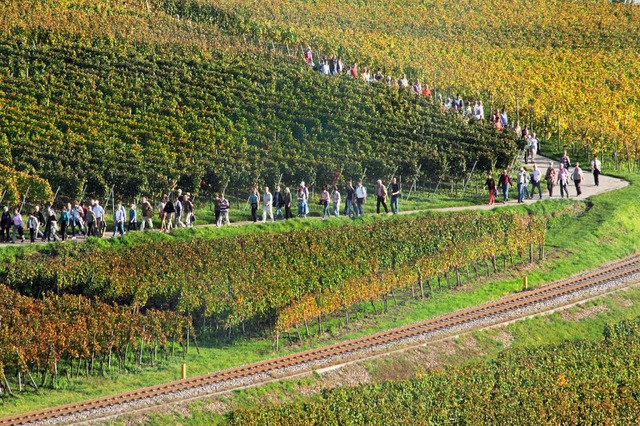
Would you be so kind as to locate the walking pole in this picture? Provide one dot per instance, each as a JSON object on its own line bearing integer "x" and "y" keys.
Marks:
{"x": 414, "y": 184}
{"x": 224, "y": 190}
{"x": 464, "y": 189}
{"x": 55, "y": 196}
{"x": 3, "y": 194}
{"x": 83, "y": 192}
{"x": 364, "y": 174}
{"x": 24, "y": 199}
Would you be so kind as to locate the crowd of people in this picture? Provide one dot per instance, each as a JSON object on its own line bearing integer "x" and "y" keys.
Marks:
{"x": 89, "y": 219}
{"x": 552, "y": 178}
{"x": 472, "y": 110}
{"x": 84, "y": 220}
{"x": 330, "y": 199}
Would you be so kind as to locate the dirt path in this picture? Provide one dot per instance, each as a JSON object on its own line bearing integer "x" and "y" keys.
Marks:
{"x": 607, "y": 183}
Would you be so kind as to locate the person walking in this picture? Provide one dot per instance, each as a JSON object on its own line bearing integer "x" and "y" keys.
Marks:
{"x": 336, "y": 201}
{"x": 324, "y": 201}
{"x": 395, "y": 195}
{"x": 490, "y": 183}
{"x": 577, "y": 178}
{"x": 564, "y": 160}
{"x": 6, "y": 223}
{"x": 563, "y": 180}
{"x": 187, "y": 206}
{"x": 595, "y": 168}
{"x": 254, "y": 200}
{"x": 98, "y": 212}
{"x": 302, "y": 202}
{"x": 223, "y": 217}
{"x": 169, "y": 210}
{"x": 133, "y": 218}
{"x": 64, "y": 223}
{"x": 147, "y": 214}
{"x": 550, "y": 177}
{"x": 533, "y": 147}
{"x": 361, "y": 197}
{"x": 32, "y": 224}
{"x": 277, "y": 202}
{"x": 536, "y": 177}
{"x": 78, "y": 217}
{"x": 52, "y": 225}
{"x": 522, "y": 181}
{"x": 286, "y": 202}
{"x": 178, "y": 207}
{"x": 18, "y": 226}
{"x": 75, "y": 220}
{"x": 119, "y": 217}
{"x": 349, "y": 197}
{"x": 267, "y": 205}
{"x": 90, "y": 221}
{"x": 504, "y": 182}
{"x": 382, "y": 197}
{"x": 41, "y": 222}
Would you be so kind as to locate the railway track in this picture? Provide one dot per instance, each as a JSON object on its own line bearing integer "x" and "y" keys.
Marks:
{"x": 341, "y": 351}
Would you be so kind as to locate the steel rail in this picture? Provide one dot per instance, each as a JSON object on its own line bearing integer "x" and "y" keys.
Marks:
{"x": 617, "y": 270}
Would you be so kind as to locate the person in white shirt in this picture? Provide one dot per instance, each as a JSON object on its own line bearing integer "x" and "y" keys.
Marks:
{"x": 361, "y": 197}
{"x": 478, "y": 111}
{"x": 404, "y": 83}
{"x": 336, "y": 201}
{"x": 595, "y": 168}
{"x": 267, "y": 205}
{"x": 536, "y": 179}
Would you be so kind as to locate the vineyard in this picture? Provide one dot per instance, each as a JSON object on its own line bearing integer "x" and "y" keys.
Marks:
{"x": 62, "y": 336}
{"x": 81, "y": 105}
{"x": 571, "y": 383}
{"x": 566, "y": 69}
{"x": 253, "y": 282}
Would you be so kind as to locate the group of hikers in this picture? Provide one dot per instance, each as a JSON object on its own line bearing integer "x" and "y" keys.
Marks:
{"x": 472, "y": 110}
{"x": 330, "y": 199}
{"x": 76, "y": 219}
{"x": 551, "y": 177}
{"x": 85, "y": 220}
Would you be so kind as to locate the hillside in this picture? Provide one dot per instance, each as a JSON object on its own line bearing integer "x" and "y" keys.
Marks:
{"x": 579, "y": 382}
{"x": 102, "y": 94}
{"x": 571, "y": 68}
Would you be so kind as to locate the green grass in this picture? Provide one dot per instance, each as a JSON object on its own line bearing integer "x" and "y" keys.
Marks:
{"x": 604, "y": 231}
{"x": 204, "y": 228}
{"x": 584, "y": 321}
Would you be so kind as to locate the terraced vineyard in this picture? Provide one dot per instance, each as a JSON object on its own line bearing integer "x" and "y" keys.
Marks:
{"x": 571, "y": 383}
{"x": 250, "y": 282}
{"x": 569, "y": 67}
{"x": 107, "y": 110}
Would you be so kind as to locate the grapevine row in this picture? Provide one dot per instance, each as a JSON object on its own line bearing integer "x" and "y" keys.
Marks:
{"x": 576, "y": 382}
{"x": 66, "y": 335}
{"x": 268, "y": 277}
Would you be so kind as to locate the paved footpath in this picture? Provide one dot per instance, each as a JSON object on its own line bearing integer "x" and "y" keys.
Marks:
{"x": 607, "y": 184}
